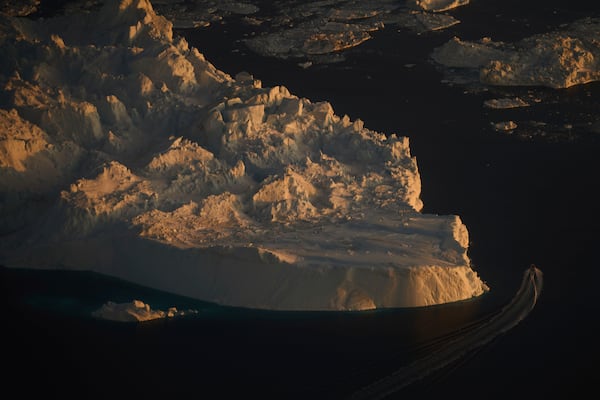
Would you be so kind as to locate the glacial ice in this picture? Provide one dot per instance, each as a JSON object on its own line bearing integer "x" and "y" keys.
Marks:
{"x": 124, "y": 151}
{"x": 136, "y": 311}
{"x": 558, "y": 59}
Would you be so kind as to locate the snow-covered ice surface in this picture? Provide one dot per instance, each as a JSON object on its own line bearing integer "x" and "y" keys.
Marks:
{"x": 321, "y": 31}
{"x": 437, "y": 5}
{"x": 126, "y": 152}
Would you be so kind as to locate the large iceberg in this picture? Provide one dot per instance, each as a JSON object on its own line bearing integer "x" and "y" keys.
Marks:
{"x": 124, "y": 151}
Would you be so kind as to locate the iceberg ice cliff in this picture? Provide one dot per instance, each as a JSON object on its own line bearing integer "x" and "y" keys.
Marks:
{"x": 124, "y": 151}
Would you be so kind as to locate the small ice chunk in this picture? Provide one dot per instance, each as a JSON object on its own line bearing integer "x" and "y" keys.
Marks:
{"x": 504, "y": 126}
{"x": 136, "y": 311}
{"x": 504, "y": 103}
{"x": 436, "y": 5}
{"x": 305, "y": 65}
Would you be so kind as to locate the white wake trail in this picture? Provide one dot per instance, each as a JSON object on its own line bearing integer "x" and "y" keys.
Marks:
{"x": 463, "y": 343}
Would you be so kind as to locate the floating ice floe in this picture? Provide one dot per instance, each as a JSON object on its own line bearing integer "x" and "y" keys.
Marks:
{"x": 136, "y": 311}
{"x": 315, "y": 30}
{"x": 436, "y": 5}
{"x": 505, "y": 103}
{"x": 19, "y": 8}
{"x": 504, "y": 126}
{"x": 124, "y": 151}
{"x": 559, "y": 59}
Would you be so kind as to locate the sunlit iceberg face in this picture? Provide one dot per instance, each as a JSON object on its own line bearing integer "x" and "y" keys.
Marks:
{"x": 147, "y": 163}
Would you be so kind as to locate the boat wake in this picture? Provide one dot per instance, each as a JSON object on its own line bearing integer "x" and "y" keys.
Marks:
{"x": 460, "y": 343}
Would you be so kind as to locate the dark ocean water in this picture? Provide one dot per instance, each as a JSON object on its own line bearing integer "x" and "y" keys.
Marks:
{"x": 525, "y": 198}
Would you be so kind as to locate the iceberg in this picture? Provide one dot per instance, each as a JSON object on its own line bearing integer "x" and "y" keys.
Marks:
{"x": 558, "y": 59}
{"x": 124, "y": 151}
{"x": 504, "y": 103}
